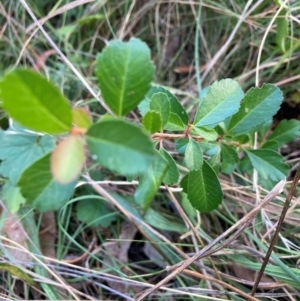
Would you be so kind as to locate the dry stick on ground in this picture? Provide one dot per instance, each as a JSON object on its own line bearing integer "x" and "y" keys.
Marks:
{"x": 280, "y": 221}
{"x": 138, "y": 222}
{"x": 220, "y": 282}
{"x": 239, "y": 225}
{"x": 192, "y": 228}
{"x": 207, "y": 252}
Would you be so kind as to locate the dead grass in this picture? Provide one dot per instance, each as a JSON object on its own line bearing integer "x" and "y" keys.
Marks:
{"x": 109, "y": 263}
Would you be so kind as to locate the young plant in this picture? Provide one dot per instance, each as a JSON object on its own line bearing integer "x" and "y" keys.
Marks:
{"x": 44, "y": 151}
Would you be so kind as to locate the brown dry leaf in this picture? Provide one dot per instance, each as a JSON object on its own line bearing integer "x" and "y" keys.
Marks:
{"x": 13, "y": 230}
{"x": 47, "y": 234}
{"x": 118, "y": 251}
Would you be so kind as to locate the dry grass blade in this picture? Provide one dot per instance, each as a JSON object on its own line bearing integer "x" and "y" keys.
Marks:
{"x": 281, "y": 219}
{"x": 242, "y": 222}
{"x": 39, "y": 261}
{"x": 63, "y": 57}
{"x": 57, "y": 12}
{"x": 224, "y": 284}
{"x": 133, "y": 219}
{"x": 218, "y": 55}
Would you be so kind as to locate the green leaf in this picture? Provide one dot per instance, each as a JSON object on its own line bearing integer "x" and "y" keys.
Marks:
{"x": 94, "y": 212}
{"x": 152, "y": 122}
{"x": 229, "y": 159}
{"x": 81, "y": 118}
{"x": 263, "y": 129}
{"x": 209, "y": 148}
{"x": 221, "y": 101}
{"x": 207, "y": 134}
{"x": 174, "y": 123}
{"x": 215, "y": 162}
{"x": 35, "y": 103}
{"x": 124, "y": 71}
{"x": 242, "y": 139}
{"x": 268, "y": 163}
{"x": 203, "y": 93}
{"x": 193, "y": 156}
{"x": 178, "y": 116}
{"x": 67, "y": 159}
{"x": 282, "y": 29}
{"x": 150, "y": 181}
{"x": 172, "y": 175}
{"x": 181, "y": 145}
{"x": 160, "y": 103}
{"x": 19, "y": 150}
{"x": 203, "y": 188}
{"x": 286, "y": 131}
{"x": 159, "y": 221}
{"x": 259, "y": 105}
{"x": 120, "y": 146}
{"x": 12, "y": 197}
{"x": 245, "y": 165}
{"x": 41, "y": 190}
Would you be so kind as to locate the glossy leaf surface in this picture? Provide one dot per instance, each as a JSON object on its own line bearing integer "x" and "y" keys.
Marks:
{"x": 221, "y": 101}
{"x": 152, "y": 122}
{"x": 35, "y": 103}
{"x": 268, "y": 163}
{"x": 203, "y": 188}
{"x": 178, "y": 118}
{"x": 285, "y": 132}
{"x": 120, "y": 146}
{"x": 206, "y": 133}
{"x": 193, "y": 157}
{"x": 181, "y": 145}
{"x": 229, "y": 159}
{"x": 124, "y": 71}
{"x": 160, "y": 104}
{"x": 259, "y": 106}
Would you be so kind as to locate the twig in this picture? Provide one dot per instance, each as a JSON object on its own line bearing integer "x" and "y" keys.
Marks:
{"x": 241, "y": 223}
{"x": 223, "y": 245}
{"x": 220, "y": 282}
{"x": 131, "y": 217}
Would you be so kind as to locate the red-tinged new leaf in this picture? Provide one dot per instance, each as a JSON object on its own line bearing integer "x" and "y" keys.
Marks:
{"x": 67, "y": 159}
{"x": 81, "y": 118}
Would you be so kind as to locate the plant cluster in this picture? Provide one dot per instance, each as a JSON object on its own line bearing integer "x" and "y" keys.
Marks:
{"x": 49, "y": 145}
